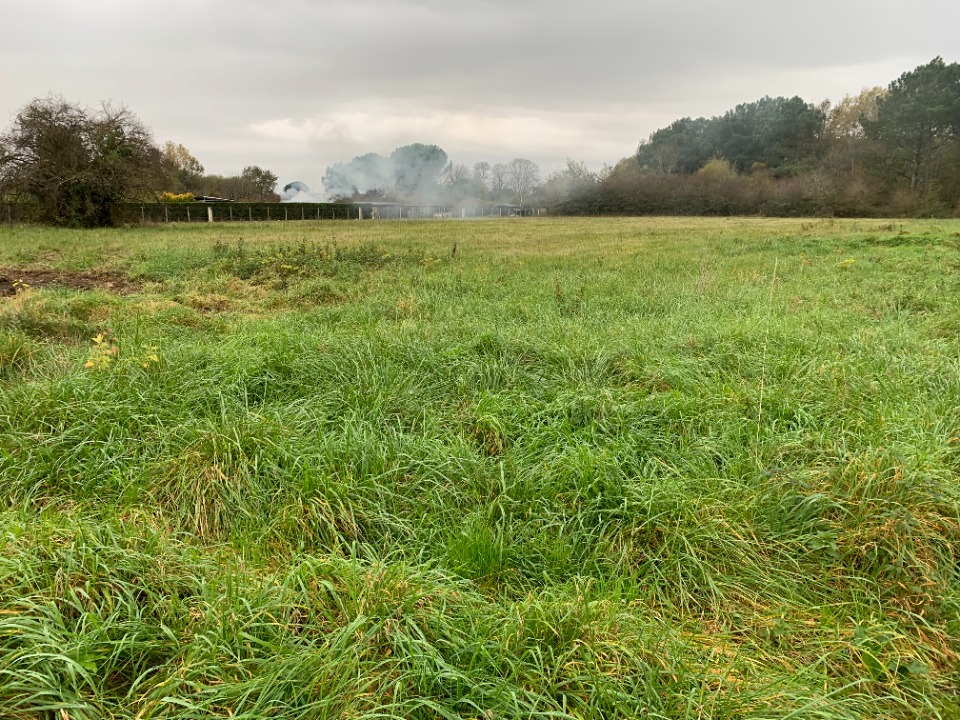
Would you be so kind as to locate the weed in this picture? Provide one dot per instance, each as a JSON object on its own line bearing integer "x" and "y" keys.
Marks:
{"x": 283, "y": 261}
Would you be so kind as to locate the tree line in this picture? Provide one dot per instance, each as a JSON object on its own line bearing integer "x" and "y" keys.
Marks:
{"x": 422, "y": 174}
{"x": 185, "y": 174}
{"x": 891, "y": 150}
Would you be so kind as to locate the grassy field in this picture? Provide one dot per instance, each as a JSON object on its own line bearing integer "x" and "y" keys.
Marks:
{"x": 539, "y": 468}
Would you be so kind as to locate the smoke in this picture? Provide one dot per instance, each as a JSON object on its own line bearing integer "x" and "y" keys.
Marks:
{"x": 421, "y": 175}
{"x": 410, "y": 174}
{"x": 298, "y": 192}
{"x": 364, "y": 174}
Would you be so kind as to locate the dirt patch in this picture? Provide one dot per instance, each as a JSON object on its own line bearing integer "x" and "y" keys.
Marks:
{"x": 14, "y": 280}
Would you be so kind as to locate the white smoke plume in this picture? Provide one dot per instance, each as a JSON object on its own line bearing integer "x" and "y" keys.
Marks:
{"x": 298, "y": 192}
{"x": 410, "y": 173}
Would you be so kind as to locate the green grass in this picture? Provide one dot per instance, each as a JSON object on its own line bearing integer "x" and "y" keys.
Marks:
{"x": 539, "y": 468}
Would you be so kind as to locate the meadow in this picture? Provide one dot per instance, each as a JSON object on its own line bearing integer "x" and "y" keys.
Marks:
{"x": 515, "y": 468}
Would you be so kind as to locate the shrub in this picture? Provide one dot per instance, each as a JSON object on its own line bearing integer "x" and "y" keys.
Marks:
{"x": 169, "y": 197}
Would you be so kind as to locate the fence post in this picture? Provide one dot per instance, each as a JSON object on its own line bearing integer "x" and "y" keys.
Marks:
{"x": 188, "y": 215}
{"x": 268, "y": 212}
{"x": 285, "y": 216}
{"x": 166, "y": 214}
{"x": 231, "y": 213}
{"x": 250, "y": 212}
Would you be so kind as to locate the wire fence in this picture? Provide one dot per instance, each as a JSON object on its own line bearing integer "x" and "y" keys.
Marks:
{"x": 200, "y": 212}
{"x": 132, "y": 213}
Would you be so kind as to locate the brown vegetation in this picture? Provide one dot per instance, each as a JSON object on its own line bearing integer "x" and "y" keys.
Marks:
{"x": 17, "y": 280}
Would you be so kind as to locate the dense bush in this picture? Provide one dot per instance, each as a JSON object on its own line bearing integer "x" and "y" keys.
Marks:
{"x": 633, "y": 191}
{"x": 67, "y": 165}
{"x": 169, "y": 197}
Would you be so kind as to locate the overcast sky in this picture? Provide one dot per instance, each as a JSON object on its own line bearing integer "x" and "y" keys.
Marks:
{"x": 295, "y": 85}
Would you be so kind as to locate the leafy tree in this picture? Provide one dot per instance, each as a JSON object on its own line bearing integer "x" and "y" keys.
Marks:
{"x": 70, "y": 163}
{"x": 184, "y": 170}
{"x": 717, "y": 169}
{"x": 263, "y": 181}
{"x": 336, "y": 181}
{"x": 237, "y": 187}
{"x": 917, "y": 121}
{"x": 416, "y": 167}
{"x": 186, "y": 174}
{"x": 844, "y": 138}
{"x": 681, "y": 147}
{"x": 845, "y": 119}
{"x": 781, "y": 133}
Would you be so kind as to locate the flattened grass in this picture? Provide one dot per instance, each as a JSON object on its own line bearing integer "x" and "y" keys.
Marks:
{"x": 674, "y": 468}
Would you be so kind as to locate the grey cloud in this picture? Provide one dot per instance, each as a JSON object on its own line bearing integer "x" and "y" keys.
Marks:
{"x": 209, "y": 74}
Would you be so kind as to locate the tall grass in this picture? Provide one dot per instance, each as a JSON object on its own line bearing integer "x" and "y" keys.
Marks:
{"x": 575, "y": 468}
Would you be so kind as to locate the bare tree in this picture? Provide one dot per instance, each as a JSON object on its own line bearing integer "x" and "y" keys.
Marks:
{"x": 455, "y": 173}
{"x": 481, "y": 176}
{"x": 522, "y": 176}
{"x": 498, "y": 180}
{"x": 569, "y": 182}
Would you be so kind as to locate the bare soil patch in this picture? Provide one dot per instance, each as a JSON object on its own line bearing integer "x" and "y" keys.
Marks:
{"x": 13, "y": 280}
